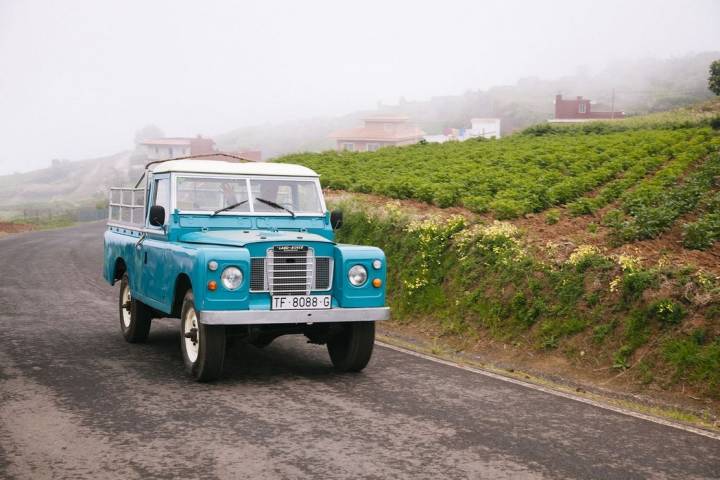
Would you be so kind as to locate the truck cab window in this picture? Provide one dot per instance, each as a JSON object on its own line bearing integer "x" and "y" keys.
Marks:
{"x": 162, "y": 195}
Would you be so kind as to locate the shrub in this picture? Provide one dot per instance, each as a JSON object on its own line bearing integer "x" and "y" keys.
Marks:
{"x": 703, "y": 233}
{"x": 602, "y": 331}
{"x": 430, "y": 237}
{"x": 552, "y": 216}
{"x": 581, "y": 206}
{"x": 586, "y": 256}
{"x": 496, "y": 246}
{"x": 714, "y": 77}
{"x": 635, "y": 283}
{"x": 667, "y": 312}
{"x": 506, "y": 209}
{"x": 476, "y": 203}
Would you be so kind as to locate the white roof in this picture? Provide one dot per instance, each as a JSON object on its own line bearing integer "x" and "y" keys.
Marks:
{"x": 199, "y": 165}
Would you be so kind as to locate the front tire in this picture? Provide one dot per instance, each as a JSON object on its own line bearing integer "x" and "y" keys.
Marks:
{"x": 203, "y": 346}
{"x": 135, "y": 316}
{"x": 351, "y": 348}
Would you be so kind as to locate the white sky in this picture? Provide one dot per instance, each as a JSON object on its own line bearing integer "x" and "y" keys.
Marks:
{"x": 78, "y": 78}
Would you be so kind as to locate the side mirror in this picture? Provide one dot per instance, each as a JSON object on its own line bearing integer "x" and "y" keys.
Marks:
{"x": 157, "y": 216}
{"x": 336, "y": 219}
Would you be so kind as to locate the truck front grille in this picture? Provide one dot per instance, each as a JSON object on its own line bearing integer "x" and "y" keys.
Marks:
{"x": 290, "y": 270}
{"x": 323, "y": 273}
{"x": 257, "y": 274}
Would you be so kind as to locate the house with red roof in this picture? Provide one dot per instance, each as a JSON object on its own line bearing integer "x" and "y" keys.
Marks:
{"x": 379, "y": 131}
{"x": 177, "y": 147}
{"x": 174, "y": 147}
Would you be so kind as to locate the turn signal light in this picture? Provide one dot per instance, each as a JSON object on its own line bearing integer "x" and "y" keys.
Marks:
{"x": 377, "y": 283}
{"x": 212, "y": 285}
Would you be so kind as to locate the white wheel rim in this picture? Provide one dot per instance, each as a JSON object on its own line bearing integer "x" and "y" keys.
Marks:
{"x": 189, "y": 323}
{"x": 126, "y": 299}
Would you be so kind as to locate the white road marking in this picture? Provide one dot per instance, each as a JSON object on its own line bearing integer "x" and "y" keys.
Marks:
{"x": 557, "y": 393}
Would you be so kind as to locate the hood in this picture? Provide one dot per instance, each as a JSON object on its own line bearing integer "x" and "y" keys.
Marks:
{"x": 240, "y": 238}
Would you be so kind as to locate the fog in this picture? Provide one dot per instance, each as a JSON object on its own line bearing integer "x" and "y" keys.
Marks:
{"x": 78, "y": 78}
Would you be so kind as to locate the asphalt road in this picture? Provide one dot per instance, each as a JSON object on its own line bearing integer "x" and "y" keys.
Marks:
{"x": 76, "y": 401}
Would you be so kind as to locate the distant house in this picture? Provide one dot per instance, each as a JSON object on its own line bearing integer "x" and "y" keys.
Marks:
{"x": 164, "y": 148}
{"x": 381, "y": 131}
{"x": 176, "y": 147}
{"x": 580, "y": 109}
{"x": 480, "y": 127}
{"x": 485, "y": 127}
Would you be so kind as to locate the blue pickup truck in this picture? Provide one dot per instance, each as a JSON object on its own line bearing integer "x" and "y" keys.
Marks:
{"x": 241, "y": 250}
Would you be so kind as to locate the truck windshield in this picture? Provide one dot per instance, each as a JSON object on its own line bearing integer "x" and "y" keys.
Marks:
{"x": 198, "y": 194}
{"x": 210, "y": 194}
{"x": 296, "y": 195}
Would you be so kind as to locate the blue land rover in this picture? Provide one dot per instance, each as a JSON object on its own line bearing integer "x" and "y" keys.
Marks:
{"x": 244, "y": 250}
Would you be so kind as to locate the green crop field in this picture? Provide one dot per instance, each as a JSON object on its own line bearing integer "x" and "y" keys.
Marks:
{"x": 654, "y": 169}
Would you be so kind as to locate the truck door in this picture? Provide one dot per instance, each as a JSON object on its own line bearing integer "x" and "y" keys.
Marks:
{"x": 153, "y": 250}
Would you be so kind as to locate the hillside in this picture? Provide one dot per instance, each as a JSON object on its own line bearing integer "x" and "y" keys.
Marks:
{"x": 640, "y": 87}
{"x": 589, "y": 251}
{"x": 64, "y": 181}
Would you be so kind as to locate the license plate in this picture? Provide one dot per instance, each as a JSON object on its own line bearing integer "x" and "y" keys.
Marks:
{"x": 301, "y": 302}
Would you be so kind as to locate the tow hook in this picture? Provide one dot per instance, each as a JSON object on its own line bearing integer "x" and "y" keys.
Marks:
{"x": 192, "y": 334}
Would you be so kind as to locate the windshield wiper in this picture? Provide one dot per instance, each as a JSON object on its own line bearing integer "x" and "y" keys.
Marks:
{"x": 276, "y": 205}
{"x": 229, "y": 207}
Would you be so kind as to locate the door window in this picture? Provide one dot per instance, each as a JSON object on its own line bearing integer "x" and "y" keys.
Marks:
{"x": 162, "y": 196}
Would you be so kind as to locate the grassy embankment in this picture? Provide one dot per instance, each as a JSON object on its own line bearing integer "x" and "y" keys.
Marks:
{"x": 584, "y": 295}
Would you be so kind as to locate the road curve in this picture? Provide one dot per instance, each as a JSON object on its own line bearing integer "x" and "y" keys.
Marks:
{"x": 76, "y": 401}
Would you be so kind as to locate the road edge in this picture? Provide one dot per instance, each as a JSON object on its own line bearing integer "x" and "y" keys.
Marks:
{"x": 658, "y": 415}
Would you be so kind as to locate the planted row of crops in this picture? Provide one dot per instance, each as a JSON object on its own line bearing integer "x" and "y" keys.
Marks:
{"x": 655, "y": 204}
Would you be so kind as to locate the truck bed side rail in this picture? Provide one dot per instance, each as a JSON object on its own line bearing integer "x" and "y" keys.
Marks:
{"x": 126, "y": 206}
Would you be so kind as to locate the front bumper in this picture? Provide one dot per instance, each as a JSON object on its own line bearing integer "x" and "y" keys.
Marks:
{"x": 268, "y": 317}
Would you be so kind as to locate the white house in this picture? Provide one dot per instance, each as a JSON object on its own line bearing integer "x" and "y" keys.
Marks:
{"x": 485, "y": 127}
{"x": 481, "y": 127}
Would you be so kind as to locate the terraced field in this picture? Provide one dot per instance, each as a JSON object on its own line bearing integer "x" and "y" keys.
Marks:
{"x": 653, "y": 169}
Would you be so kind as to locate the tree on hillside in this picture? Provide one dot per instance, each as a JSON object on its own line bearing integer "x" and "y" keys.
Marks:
{"x": 714, "y": 78}
{"x": 148, "y": 132}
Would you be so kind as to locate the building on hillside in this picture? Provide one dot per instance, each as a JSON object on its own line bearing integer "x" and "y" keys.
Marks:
{"x": 579, "y": 109}
{"x": 381, "y": 131}
{"x": 480, "y": 127}
{"x": 176, "y": 147}
{"x": 484, "y": 127}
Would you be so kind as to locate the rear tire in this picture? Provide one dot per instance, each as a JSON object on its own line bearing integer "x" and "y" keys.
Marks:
{"x": 203, "y": 346}
{"x": 135, "y": 316}
{"x": 351, "y": 348}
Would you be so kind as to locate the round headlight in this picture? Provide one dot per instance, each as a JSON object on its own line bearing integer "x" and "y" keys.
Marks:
{"x": 231, "y": 278}
{"x": 357, "y": 275}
